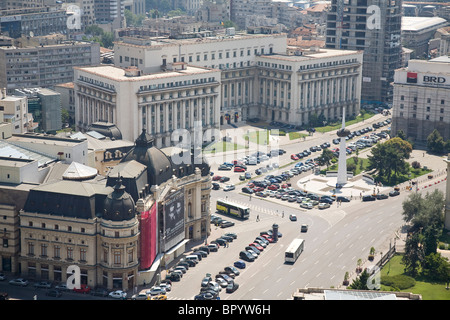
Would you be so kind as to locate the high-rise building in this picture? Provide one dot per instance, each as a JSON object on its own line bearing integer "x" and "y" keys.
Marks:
{"x": 421, "y": 99}
{"x": 373, "y": 26}
{"x": 32, "y": 66}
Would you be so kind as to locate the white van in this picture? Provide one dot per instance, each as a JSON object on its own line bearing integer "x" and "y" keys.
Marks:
{"x": 192, "y": 258}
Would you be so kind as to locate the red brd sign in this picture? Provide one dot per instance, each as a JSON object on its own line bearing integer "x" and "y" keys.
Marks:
{"x": 411, "y": 77}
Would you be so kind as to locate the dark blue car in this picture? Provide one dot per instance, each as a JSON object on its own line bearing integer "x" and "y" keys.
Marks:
{"x": 239, "y": 264}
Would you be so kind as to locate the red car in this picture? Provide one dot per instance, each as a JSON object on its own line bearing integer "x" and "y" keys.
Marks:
{"x": 294, "y": 157}
{"x": 272, "y": 187}
{"x": 239, "y": 169}
{"x": 83, "y": 289}
{"x": 284, "y": 185}
{"x": 258, "y": 189}
{"x": 257, "y": 246}
{"x": 269, "y": 238}
{"x": 216, "y": 178}
{"x": 251, "y": 185}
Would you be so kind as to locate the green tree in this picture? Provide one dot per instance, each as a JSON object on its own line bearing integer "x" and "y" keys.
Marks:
{"x": 401, "y": 134}
{"x": 436, "y": 267}
{"x": 388, "y": 158}
{"x": 426, "y": 215}
{"x": 413, "y": 255}
{"x": 325, "y": 158}
{"x": 132, "y": 19}
{"x": 435, "y": 142}
{"x": 360, "y": 283}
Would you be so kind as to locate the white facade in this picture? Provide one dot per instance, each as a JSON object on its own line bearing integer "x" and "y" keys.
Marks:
{"x": 421, "y": 98}
{"x": 291, "y": 88}
{"x": 158, "y": 102}
{"x": 235, "y": 55}
{"x": 15, "y": 111}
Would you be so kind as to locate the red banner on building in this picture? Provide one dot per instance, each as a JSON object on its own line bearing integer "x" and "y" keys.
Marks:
{"x": 148, "y": 237}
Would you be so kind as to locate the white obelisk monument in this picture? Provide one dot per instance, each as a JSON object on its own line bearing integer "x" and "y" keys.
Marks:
{"x": 342, "y": 162}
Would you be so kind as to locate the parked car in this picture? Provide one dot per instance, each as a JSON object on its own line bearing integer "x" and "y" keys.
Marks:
{"x": 229, "y": 187}
{"x": 382, "y": 196}
{"x": 244, "y": 255}
{"x": 343, "y": 199}
{"x": 19, "y": 282}
{"x": 239, "y": 264}
{"x": 155, "y": 290}
{"x": 139, "y": 296}
{"x": 82, "y": 289}
{"x": 232, "y": 287}
{"x": 226, "y": 224}
{"x": 323, "y": 205}
{"x": 394, "y": 193}
{"x": 61, "y": 287}
{"x": 232, "y": 270}
{"x": 118, "y": 294}
{"x": 54, "y": 293}
{"x": 2, "y": 277}
{"x": 206, "y": 280}
{"x": 368, "y": 198}
{"x": 43, "y": 284}
{"x": 213, "y": 247}
{"x": 239, "y": 169}
{"x": 99, "y": 292}
{"x": 215, "y": 186}
{"x": 304, "y": 228}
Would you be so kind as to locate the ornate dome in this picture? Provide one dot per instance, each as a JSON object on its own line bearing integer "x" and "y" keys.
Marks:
{"x": 107, "y": 129}
{"x": 159, "y": 165}
{"x": 119, "y": 205}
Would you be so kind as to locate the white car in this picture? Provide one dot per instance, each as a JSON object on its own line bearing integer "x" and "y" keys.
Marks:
{"x": 229, "y": 187}
{"x": 166, "y": 286}
{"x": 19, "y": 282}
{"x": 155, "y": 291}
{"x": 118, "y": 294}
{"x": 140, "y": 296}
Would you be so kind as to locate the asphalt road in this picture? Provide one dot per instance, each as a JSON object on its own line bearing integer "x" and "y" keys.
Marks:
{"x": 336, "y": 239}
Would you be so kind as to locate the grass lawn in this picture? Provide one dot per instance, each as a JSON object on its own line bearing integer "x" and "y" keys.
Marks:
{"x": 338, "y": 124}
{"x": 415, "y": 173}
{"x": 358, "y": 170}
{"x": 428, "y": 290}
{"x": 259, "y": 137}
{"x": 222, "y": 146}
{"x": 296, "y": 135}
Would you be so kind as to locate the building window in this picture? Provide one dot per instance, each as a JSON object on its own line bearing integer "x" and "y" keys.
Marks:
{"x": 69, "y": 253}
{"x": 117, "y": 257}
{"x": 43, "y": 250}
{"x": 57, "y": 252}
{"x": 31, "y": 248}
{"x": 82, "y": 254}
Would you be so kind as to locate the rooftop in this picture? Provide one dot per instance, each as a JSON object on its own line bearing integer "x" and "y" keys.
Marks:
{"x": 119, "y": 74}
{"x": 421, "y": 23}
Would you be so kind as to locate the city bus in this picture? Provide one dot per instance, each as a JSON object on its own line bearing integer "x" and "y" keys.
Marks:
{"x": 232, "y": 209}
{"x": 294, "y": 250}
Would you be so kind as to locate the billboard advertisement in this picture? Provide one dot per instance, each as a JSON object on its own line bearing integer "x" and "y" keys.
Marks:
{"x": 173, "y": 218}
